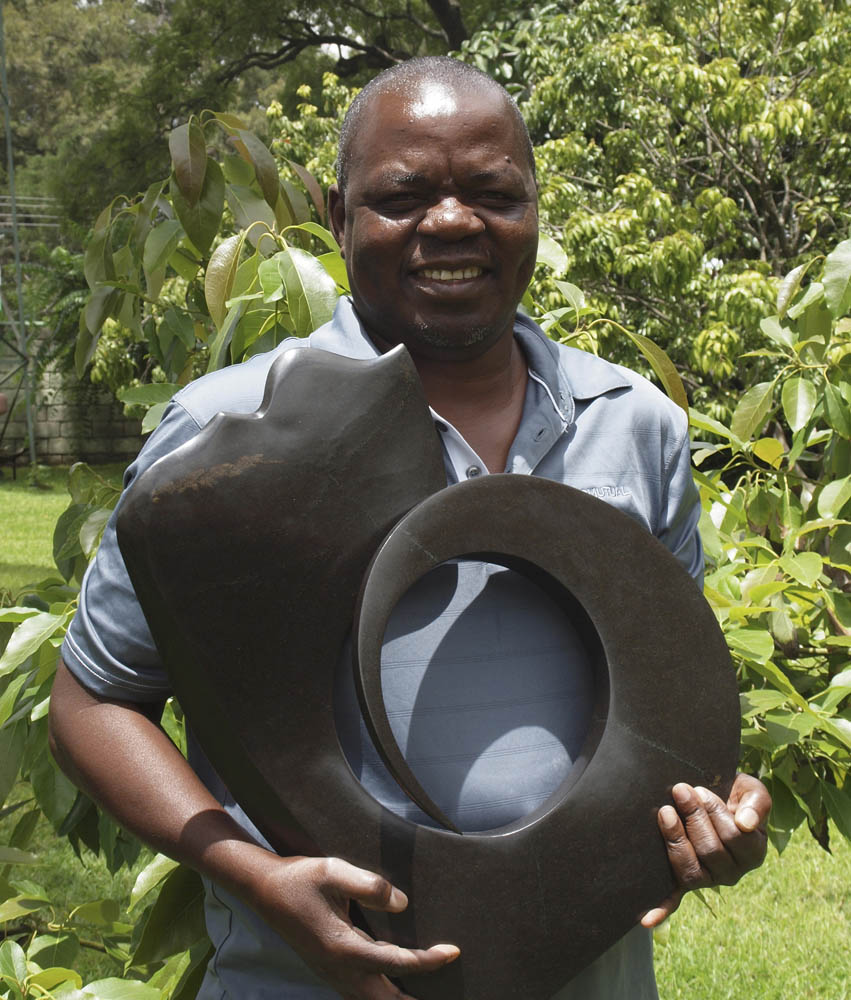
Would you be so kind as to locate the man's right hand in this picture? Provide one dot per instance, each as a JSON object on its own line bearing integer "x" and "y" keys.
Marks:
{"x": 113, "y": 751}
{"x": 306, "y": 900}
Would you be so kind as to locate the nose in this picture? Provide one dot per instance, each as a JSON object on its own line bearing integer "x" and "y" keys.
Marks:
{"x": 449, "y": 219}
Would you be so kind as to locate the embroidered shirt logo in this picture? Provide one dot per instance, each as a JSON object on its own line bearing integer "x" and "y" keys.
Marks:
{"x": 606, "y": 492}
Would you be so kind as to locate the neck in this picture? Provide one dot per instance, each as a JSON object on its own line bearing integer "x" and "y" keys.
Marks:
{"x": 482, "y": 396}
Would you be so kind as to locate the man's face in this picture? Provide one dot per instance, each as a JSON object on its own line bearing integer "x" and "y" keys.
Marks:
{"x": 439, "y": 225}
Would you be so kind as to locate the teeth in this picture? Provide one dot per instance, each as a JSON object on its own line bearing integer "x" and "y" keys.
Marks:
{"x": 444, "y": 275}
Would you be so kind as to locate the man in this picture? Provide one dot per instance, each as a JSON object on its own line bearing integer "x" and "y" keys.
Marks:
{"x": 436, "y": 214}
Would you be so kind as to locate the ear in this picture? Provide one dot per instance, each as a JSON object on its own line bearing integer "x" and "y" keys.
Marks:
{"x": 337, "y": 216}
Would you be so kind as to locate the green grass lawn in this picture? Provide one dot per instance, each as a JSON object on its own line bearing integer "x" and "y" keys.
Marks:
{"x": 27, "y": 517}
{"x": 782, "y": 934}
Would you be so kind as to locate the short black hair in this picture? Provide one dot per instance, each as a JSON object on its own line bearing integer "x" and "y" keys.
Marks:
{"x": 402, "y": 78}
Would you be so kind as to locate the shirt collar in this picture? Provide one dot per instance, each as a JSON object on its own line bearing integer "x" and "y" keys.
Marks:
{"x": 567, "y": 374}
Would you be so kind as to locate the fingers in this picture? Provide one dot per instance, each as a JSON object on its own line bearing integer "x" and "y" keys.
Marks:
{"x": 366, "y": 888}
{"x": 710, "y": 842}
{"x": 749, "y": 802}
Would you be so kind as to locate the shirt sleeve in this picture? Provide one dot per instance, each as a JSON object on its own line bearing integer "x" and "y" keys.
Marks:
{"x": 108, "y": 647}
{"x": 680, "y": 512}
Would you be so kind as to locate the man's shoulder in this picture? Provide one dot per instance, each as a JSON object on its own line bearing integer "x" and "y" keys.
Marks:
{"x": 240, "y": 388}
{"x": 586, "y": 378}
{"x": 235, "y": 389}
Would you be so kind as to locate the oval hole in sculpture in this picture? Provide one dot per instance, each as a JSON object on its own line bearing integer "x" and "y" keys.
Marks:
{"x": 508, "y": 628}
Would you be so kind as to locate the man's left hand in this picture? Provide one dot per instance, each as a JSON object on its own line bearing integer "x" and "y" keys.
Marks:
{"x": 711, "y": 842}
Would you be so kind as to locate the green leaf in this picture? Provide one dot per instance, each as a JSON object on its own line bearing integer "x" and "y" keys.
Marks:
{"x": 248, "y": 209}
{"x": 98, "y": 266}
{"x": 833, "y": 497}
{"x": 20, "y": 906}
{"x": 320, "y": 232}
{"x": 574, "y": 295}
{"x": 813, "y": 296}
{"x": 14, "y": 856}
{"x": 16, "y": 614}
{"x": 147, "y": 395}
{"x": 311, "y": 291}
{"x": 92, "y": 530}
{"x": 837, "y": 279}
{"x": 551, "y": 254}
{"x": 770, "y": 450}
{"x": 311, "y": 186}
{"x": 53, "y": 791}
{"x": 789, "y": 287}
{"x": 219, "y": 279}
{"x": 838, "y": 803}
{"x": 13, "y": 963}
{"x": 101, "y": 304}
{"x": 150, "y": 877}
{"x": 10, "y": 696}
{"x": 159, "y": 246}
{"x": 152, "y": 418}
{"x": 702, "y": 422}
{"x": 101, "y": 912}
{"x": 758, "y": 701}
{"x": 786, "y": 813}
{"x": 264, "y": 166}
{"x": 193, "y": 975}
{"x": 202, "y": 218}
{"x": 752, "y": 643}
{"x": 120, "y": 989}
{"x": 189, "y": 159}
{"x": 781, "y": 335}
{"x": 222, "y": 340}
{"x": 799, "y": 398}
{"x": 176, "y": 920}
{"x": 753, "y": 408}
{"x": 58, "y": 949}
{"x": 13, "y": 740}
{"x": 837, "y": 411}
{"x": 52, "y": 977}
{"x": 27, "y": 638}
{"x": 271, "y": 280}
{"x": 292, "y": 207}
{"x": 663, "y": 367}
{"x": 336, "y": 267}
{"x": 805, "y": 567}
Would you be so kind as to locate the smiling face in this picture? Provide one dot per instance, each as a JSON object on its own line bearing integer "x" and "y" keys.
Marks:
{"x": 439, "y": 222}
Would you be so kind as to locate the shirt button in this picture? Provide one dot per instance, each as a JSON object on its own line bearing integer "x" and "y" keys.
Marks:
{"x": 473, "y": 471}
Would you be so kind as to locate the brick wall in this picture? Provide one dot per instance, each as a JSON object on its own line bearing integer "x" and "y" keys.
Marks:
{"x": 74, "y": 421}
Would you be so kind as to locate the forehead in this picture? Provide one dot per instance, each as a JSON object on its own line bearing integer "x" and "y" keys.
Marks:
{"x": 428, "y": 121}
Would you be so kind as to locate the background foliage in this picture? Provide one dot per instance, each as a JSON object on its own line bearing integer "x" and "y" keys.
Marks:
{"x": 694, "y": 185}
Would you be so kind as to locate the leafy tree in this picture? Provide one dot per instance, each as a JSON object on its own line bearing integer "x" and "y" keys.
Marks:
{"x": 95, "y": 87}
{"x": 689, "y": 154}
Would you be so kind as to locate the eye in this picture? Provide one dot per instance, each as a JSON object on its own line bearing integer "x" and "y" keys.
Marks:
{"x": 398, "y": 202}
{"x": 495, "y": 198}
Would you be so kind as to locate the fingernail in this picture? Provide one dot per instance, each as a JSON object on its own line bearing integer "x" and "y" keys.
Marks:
{"x": 668, "y": 818}
{"x": 703, "y": 794}
{"x": 652, "y": 918}
{"x": 747, "y": 819}
{"x": 681, "y": 793}
{"x": 451, "y": 951}
{"x": 398, "y": 899}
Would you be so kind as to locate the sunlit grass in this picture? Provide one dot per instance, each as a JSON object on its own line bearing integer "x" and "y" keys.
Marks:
{"x": 782, "y": 934}
{"x": 27, "y": 516}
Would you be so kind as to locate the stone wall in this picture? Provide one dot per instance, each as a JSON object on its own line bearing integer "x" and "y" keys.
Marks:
{"x": 74, "y": 421}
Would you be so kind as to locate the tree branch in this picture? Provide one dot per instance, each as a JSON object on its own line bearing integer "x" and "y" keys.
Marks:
{"x": 448, "y": 14}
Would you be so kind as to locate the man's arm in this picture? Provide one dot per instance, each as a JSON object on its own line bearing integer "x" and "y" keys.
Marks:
{"x": 127, "y": 764}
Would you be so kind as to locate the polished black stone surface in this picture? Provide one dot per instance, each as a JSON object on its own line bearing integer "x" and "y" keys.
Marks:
{"x": 251, "y": 549}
